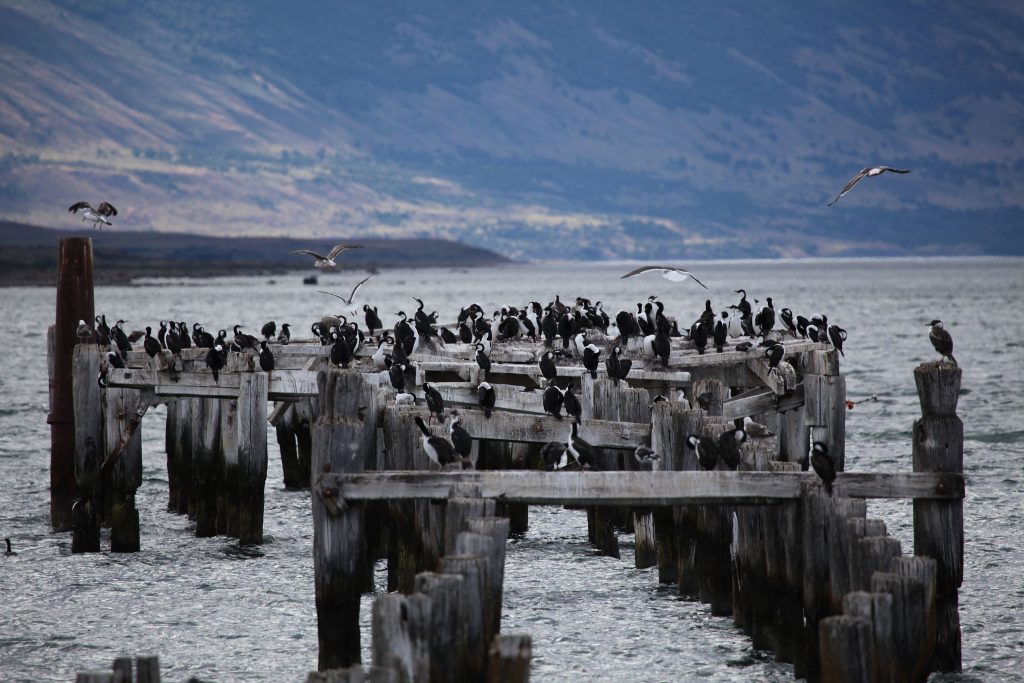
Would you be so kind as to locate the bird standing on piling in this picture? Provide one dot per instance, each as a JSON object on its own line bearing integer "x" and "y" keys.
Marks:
{"x": 554, "y": 455}
{"x": 115, "y": 360}
{"x": 721, "y": 332}
{"x": 837, "y": 336}
{"x": 547, "y": 365}
{"x": 150, "y": 343}
{"x": 483, "y": 360}
{"x": 438, "y": 449}
{"x": 266, "y": 357}
{"x": 823, "y": 465}
{"x": 216, "y": 359}
{"x": 699, "y": 337}
{"x": 285, "y": 335}
{"x": 341, "y": 350}
{"x": 618, "y": 368}
{"x": 941, "y": 340}
{"x": 553, "y": 398}
{"x": 706, "y": 449}
{"x": 461, "y": 439}
{"x": 729, "y": 443}
{"x": 269, "y": 330}
{"x": 486, "y": 398}
{"x": 591, "y": 359}
{"x": 645, "y": 457}
{"x": 435, "y": 401}
{"x": 581, "y": 451}
{"x": 572, "y": 404}
{"x": 774, "y": 354}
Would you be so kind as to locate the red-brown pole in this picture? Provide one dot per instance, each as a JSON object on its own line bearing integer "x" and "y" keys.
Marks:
{"x": 74, "y": 303}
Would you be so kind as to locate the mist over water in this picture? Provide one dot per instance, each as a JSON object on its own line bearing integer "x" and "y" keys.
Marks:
{"x": 212, "y": 610}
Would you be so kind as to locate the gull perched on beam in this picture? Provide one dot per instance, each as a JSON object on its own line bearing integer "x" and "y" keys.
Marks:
{"x": 669, "y": 273}
{"x": 321, "y": 261}
{"x": 866, "y": 173}
{"x": 98, "y": 216}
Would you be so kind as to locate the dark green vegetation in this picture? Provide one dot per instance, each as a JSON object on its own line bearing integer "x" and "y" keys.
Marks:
{"x": 577, "y": 129}
{"x": 28, "y": 255}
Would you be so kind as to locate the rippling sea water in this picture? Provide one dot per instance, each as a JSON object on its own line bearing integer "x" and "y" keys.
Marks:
{"x": 212, "y": 610}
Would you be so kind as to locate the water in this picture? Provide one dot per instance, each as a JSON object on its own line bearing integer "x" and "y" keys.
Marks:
{"x": 211, "y": 610}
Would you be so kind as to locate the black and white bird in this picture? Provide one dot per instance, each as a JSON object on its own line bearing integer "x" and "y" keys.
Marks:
{"x": 371, "y": 319}
{"x": 765, "y": 318}
{"x": 485, "y": 397}
{"x": 668, "y": 272}
{"x": 461, "y": 439}
{"x": 555, "y": 455}
{"x": 553, "y": 398}
{"x": 699, "y": 337}
{"x": 83, "y": 331}
{"x": 266, "y": 357}
{"x": 396, "y": 373}
{"x": 435, "y": 401}
{"x": 645, "y": 457}
{"x": 573, "y": 407}
{"x": 823, "y": 465}
{"x": 706, "y": 449}
{"x": 547, "y": 365}
{"x": 483, "y": 360}
{"x": 150, "y": 343}
{"x": 244, "y": 341}
{"x": 439, "y": 449}
{"x": 837, "y": 336}
{"x": 581, "y": 451}
{"x": 351, "y": 297}
{"x": 870, "y": 172}
{"x": 618, "y": 368}
{"x": 941, "y": 340}
{"x": 285, "y": 335}
{"x": 591, "y": 359}
{"x": 115, "y": 360}
{"x": 786, "y": 316}
{"x": 321, "y": 261}
{"x": 341, "y": 350}
{"x": 216, "y": 359}
{"x": 729, "y": 443}
{"x": 774, "y": 354}
{"x": 269, "y": 330}
{"x": 721, "y": 332}
{"x": 98, "y": 216}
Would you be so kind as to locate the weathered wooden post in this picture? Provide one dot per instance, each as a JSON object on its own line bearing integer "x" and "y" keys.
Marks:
{"x": 281, "y": 420}
{"x": 509, "y": 659}
{"x": 846, "y": 649}
{"x": 207, "y": 465}
{"x": 183, "y": 453}
{"x": 663, "y": 442}
{"x": 338, "y": 539}
{"x": 120, "y": 408}
{"x": 227, "y": 498}
{"x": 876, "y": 608}
{"x": 825, "y": 403}
{"x": 814, "y": 515}
{"x": 939, "y": 524}
{"x": 447, "y": 631}
{"x": 401, "y": 635}
{"x": 74, "y": 303}
{"x": 252, "y": 455}
{"x": 89, "y": 448}
{"x": 473, "y": 570}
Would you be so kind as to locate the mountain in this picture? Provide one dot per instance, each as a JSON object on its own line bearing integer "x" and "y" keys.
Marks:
{"x": 580, "y": 129}
{"x": 28, "y": 255}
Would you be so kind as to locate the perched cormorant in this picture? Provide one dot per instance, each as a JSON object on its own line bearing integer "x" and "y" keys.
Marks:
{"x": 645, "y": 457}
{"x": 266, "y": 357}
{"x": 553, "y": 398}
{"x": 435, "y": 401}
{"x": 941, "y": 340}
{"x": 572, "y": 404}
{"x": 699, "y": 337}
{"x": 150, "y": 343}
{"x": 837, "y": 336}
{"x": 729, "y": 443}
{"x": 371, "y": 319}
{"x": 216, "y": 359}
{"x": 555, "y": 455}
{"x": 485, "y": 396}
{"x": 580, "y": 450}
{"x": 744, "y": 306}
{"x": 438, "y": 449}
{"x": 706, "y": 448}
{"x": 618, "y": 368}
{"x": 115, "y": 360}
{"x": 447, "y": 336}
{"x": 461, "y": 439}
{"x": 786, "y": 315}
{"x": 721, "y": 332}
{"x": 823, "y": 466}
{"x": 591, "y": 359}
{"x": 547, "y": 365}
{"x": 774, "y": 354}
{"x": 285, "y": 335}
{"x": 341, "y": 351}
{"x": 482, "y": 359}
{"x": 269, "y": 330}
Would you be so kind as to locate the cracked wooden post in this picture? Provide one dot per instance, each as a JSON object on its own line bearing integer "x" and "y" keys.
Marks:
{"x": 825, "y": 403}
{"x": 252, "y": 455}
{"x": 227, "y": 498}
{"x": 74, "y": 303}
{"x": 339, "y": 546}
{"x": 89, "y": 448}
{"x": 509, "y": 659}
{"x": 121, "y": 409}
{"x": 402, "y": 635}
{"x": 207, "y": 465}
{"x": 939, "y": 525}
{"x": 447, "y": 631}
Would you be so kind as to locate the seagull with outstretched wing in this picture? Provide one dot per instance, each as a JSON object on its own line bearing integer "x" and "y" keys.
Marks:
{"x": 352, "y": 296}
{"x": 668, "y": 272}
{"x": 866, "y": 173}
{"x": 321, "y": 261}
{"x": 98, "y": 216}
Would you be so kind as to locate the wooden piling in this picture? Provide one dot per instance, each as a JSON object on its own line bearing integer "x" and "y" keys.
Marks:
{"x": 814, "y": 513}
{"x": 252, "y": 456}
{"x": 207, "y": 465}
{"x": 89, "y": 448}
{"x": 875, "y": 608}
{"x": 509, "y": 659}
{"x": 401, "y": 635}
{"x": 939, "y": 527}
{"x": 469, "y": 544}
{"x": 909, "y": 619}
{"x": 338, "y": 541}
{"x": 183, "y": 454}
{"x": 447, "y": 628}
{"x": 497, "y": 529}
{"x": 664, "y": 443}
{"x": 120, "y": 407}
{"x": 846, "y": 650}
{"x": 283, "y": 425}
{"x": 825, "y": 403}
{"x": 228, "y": 494}
{"x": 839, "y": 549}
{"x": 74, "y": 302}
{"x": 473, "y": 570}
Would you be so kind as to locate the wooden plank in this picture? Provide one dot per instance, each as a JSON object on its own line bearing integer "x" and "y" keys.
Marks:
{"x": 647, "y": 488}
{"x": 762, "y": 402}
{"x": 574, "y": 371}
{"x": 524, "y": 428}
{"x": 506, "y": 396}
{"x": 199, "y": 383}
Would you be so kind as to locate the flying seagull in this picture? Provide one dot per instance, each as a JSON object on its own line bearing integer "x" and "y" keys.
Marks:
{"x": 667, "y": 272}
{"x": 352, "y": 296}
{"x": 97, "y": 216}
{"x": 322, "y": 261}
{"x": 866, "y": 173}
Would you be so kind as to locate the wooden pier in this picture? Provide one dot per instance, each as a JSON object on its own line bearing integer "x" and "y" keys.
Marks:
{"x": 806, "y": 575}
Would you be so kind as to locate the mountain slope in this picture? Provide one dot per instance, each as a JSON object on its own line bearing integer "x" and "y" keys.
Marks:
{"x": 586, "y": 129}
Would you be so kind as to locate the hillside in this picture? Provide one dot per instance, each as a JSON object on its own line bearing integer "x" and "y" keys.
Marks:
{"x": 28, "y": 255}
{"x": 579, "y": 130}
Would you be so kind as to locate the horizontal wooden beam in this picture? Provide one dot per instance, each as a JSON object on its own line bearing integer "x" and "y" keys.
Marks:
{"x": 199, "y": 382}
{"x": 762, "y": 402}
{"x": 523, "y": 428}
{"x": 646, "y": 488}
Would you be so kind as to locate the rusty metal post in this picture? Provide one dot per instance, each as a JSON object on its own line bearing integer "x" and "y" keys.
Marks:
{"x": 74, "y": 303}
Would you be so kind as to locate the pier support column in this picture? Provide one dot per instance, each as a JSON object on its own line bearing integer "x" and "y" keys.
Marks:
{"x": 825, "y": 403}
{"x": 74, "y": 303}
{"x": 939, "y": 524}
{"x": 89, "y": 448}
{"x": 252, "y": 456}
{"x": 120, "y": 407}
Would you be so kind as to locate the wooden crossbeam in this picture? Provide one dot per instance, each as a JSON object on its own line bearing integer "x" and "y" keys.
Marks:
{"x": 284, "y": 384}
{"x": 762, "y": 402}
{"x": 646, "y": 488}
{"x": 522, "y": 428}
{"x": 506, "y": 397}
